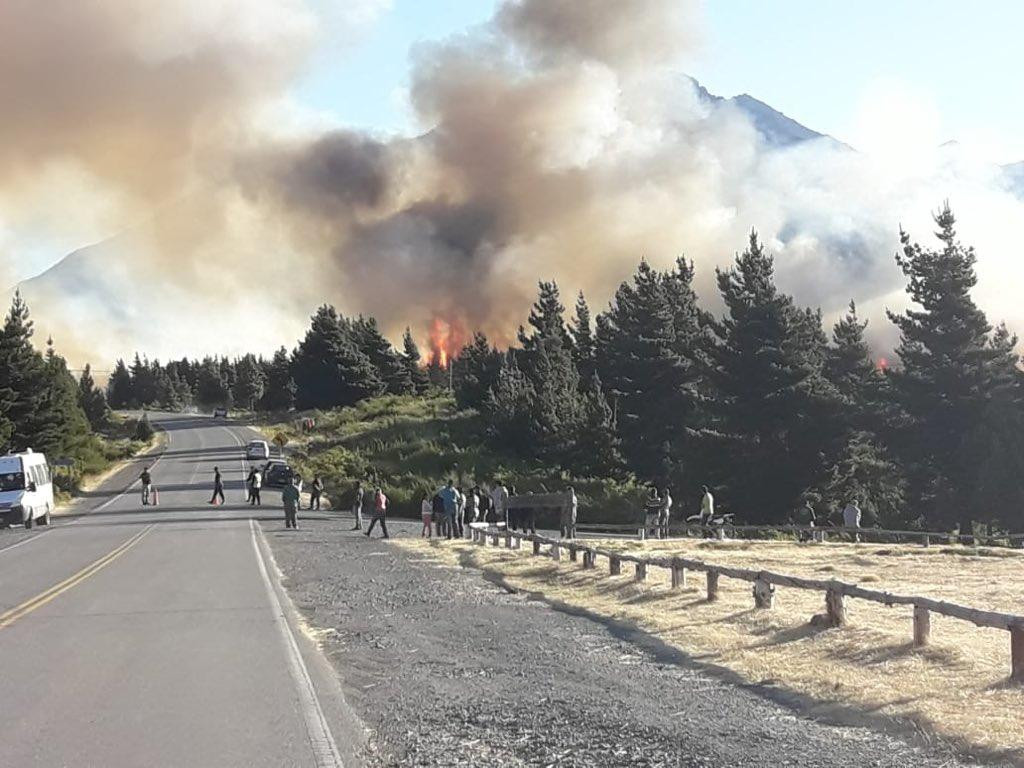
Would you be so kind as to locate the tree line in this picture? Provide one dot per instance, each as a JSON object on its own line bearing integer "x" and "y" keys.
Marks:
{"x": 761, "y": 403}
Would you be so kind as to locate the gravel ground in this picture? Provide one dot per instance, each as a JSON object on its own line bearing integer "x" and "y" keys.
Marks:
{"x": 447, "y": 669}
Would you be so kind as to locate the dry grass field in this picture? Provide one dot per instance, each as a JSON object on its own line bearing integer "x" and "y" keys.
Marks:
{"x": 956, "y": 687}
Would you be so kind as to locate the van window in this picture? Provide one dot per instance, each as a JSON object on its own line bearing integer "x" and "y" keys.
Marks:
{"x": 12, "y": 481}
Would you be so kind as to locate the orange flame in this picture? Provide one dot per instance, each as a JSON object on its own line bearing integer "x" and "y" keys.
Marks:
{"x": 883, "y": 364}
{"x": 447, "y": 336}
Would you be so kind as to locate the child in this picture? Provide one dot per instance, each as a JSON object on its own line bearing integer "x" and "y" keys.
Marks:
{"x": 427, "y": 513}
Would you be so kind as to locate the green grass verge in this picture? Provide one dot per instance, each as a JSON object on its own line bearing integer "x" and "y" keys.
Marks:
{"x": 410, "y": 445}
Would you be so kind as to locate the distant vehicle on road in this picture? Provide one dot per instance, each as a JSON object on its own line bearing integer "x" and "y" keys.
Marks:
{"x": 26, "y": 489}
{"x": 257, "y": 450}
{"x": 220, "y": 413}
{"x": 277, "y": 473}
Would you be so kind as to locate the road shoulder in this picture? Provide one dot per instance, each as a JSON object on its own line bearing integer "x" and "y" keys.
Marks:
{"x": 448, "y": 669}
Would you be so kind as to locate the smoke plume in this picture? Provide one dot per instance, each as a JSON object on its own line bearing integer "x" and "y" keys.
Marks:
{"x": 559, "y": 141}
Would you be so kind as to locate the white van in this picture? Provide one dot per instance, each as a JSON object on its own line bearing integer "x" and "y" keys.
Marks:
{"x": 257, "y": 450}
{"x": 26, "y": 489}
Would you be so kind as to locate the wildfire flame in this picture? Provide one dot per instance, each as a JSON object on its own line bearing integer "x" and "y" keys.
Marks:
{"x": 447, "y": 336}
{"x": 883, "y": 364}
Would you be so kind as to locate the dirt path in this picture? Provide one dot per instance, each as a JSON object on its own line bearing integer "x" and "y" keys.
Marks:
{"x": 448, "y": 669}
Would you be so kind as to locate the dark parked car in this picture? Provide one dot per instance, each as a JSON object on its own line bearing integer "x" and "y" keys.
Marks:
{"x": 220, "y": 413}
{"x": 276, "y": 474}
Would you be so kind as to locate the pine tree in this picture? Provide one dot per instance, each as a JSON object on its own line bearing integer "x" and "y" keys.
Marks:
{"x": 119, "y": 387}
{"x": 864, "y": 473}
{"x": 583, "y": 347}
{"x": 412, "y": 361}
{"x": 249, "y": 382}
{"x": 212, "y": 388}
{"x": 92, "y": 400}
{"x": 390, "y": 369}
{"x": 279, "y": 394}
{"x": 771, "y": 398}
{"x": 329, "y": 368}
{"x": 951, "y": 370}
{"x": 61, "y": 427}
{"x": 475, "y": 371}
{"x": 22, "y": 373}
{"x": 650, "y": 372}
{"x": 597, "y": 448}
{"x": 509, "y": 407}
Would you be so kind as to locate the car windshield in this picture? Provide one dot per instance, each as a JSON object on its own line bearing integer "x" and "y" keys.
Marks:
{"x": 12, "y": 481}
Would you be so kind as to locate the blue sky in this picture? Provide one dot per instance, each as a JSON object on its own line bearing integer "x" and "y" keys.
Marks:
{"x": 945, "y": 68}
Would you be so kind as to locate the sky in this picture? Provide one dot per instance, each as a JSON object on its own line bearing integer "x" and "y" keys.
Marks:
{"x": 944, "y": 69}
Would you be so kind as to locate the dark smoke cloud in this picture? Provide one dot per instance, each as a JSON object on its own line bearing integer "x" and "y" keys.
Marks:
{"x": 560, "y": 141}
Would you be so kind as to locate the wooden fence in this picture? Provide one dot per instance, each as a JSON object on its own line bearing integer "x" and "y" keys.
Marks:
{"x": 764, "y": 584}
{"x": 822, "y": 533}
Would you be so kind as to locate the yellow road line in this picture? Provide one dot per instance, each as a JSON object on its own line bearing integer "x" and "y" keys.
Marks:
{"x": 9, "y": 617}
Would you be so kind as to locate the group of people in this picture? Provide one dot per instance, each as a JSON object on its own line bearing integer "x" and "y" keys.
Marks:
{"x": 451, "y": 509}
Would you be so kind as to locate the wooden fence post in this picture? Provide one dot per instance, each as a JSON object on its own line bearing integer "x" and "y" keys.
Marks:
{"x": 678, "y": 576}
{"x": 556, "y": 552}
{"x": 614, "y": 566}
{"x": 764, "y": 594}
{"x": 712, "y": 586}
{"x": 573, "y": 553}
{"x": 641, "y": 572}
{"x": 1017, "y": 653}
{"x": 835, "y": 609}
{"x": 922, "y": 626}
{"x": 536, "y": 547}
{"x": 588, "y": 558}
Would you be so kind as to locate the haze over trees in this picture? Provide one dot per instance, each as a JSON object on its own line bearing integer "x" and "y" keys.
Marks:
{"x": 760, "y": 403}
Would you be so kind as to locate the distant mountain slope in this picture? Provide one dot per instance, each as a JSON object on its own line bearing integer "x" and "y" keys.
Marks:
{"x": 775, "y": 128}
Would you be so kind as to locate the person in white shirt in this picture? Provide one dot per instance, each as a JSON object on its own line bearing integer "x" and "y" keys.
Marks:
{"x": 707, "y": 507}
{"x": 254, "y": 488}
{"x": 664, "y": 512}
{"x": 499, "y": 498}
{"x": 568, "y": 521}
{"x": 851, "y": 517}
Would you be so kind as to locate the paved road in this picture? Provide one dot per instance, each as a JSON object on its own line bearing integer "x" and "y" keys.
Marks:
{"x": 142, "y": 636}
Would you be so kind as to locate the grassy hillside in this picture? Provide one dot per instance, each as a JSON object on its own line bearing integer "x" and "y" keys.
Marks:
{"x": 410, "y": 445}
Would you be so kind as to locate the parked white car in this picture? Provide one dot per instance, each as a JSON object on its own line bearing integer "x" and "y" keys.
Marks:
{"x": 26, "y": 489}
{"x": 257, "y": 450}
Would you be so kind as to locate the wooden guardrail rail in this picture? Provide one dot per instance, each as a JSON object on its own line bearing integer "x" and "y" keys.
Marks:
{"x": 764, "y": 584}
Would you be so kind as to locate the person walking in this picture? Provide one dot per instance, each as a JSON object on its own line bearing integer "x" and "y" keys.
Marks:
{"x": 664, "y": 513}
{"x": 567, "y": 525}
{"x": 218, "y": 487}
{"x": 380, "y": 511}
{"x": 427, "y": 513}
{"x": 473, "y": 504}
{"x": 486, "y": 507}
{"x": 290, "y": 497}
{"x": 437, "y": 513}
{"x": 357, "y": 507}
{"x": 450, "y": 498}
{"x": 315, "y": 491}
{"x": 248, "y": 484}
{"x": 255, "y": 485}
{"x": 147, "y": 485}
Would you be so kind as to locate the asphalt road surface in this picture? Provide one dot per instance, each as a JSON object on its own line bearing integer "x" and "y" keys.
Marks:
{"x": 160, "y": 636}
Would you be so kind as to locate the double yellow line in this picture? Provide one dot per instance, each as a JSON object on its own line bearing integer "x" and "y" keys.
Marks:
{"x": 9, "y": 617}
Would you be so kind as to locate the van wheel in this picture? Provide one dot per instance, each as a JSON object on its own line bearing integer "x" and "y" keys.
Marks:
{"x": 45, "y": 520}
{"x": 28, "y": 519}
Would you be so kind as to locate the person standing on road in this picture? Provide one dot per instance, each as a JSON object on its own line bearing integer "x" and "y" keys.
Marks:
{"x": 315, "y": 491}
{"x": 499, "y": 501}
{"x": 664, "y": 513}
{"x": 248, "y": 484}
{"x": 427, "y": 513}
{"x": 147, "y": 485}
{"x": 255, "y": 484}
{"x": 290, "y": 497}
{"x": 380, "y": 511}
{"x": 450, "y": 499}
{"x": 357, "y": 507}
{"x": 567, "y": 525}
{"x": 218, "y": 487}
